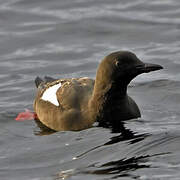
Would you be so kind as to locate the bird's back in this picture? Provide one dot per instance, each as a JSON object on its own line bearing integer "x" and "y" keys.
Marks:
{"x": 62, "y": 104}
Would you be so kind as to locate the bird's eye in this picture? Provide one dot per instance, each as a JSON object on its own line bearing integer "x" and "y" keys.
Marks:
{"x": 118, "y": 64}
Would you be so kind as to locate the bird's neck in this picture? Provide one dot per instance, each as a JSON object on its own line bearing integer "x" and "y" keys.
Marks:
{"x": 117, "y": 90}
{"x": 110, "y": 90}
{"x": 106, "y": 98}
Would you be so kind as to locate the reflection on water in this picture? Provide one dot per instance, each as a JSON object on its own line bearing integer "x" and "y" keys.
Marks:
{"x": 116, "y": 169}
{"x": 43, "y": 130}
{"x": 137, "y": 158}
{"x": 121, "y": 168}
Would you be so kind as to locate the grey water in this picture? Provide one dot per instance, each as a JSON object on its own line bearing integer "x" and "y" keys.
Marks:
{"x": 68, "y": 38}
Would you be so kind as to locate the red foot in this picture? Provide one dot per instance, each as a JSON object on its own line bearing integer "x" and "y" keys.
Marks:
{"x": 27, "y": 115}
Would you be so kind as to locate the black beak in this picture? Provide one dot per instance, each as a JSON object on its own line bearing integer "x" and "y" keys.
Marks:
{"x": 146, "y": 68}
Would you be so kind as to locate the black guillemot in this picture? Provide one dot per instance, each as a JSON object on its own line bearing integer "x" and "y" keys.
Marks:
{"x": 76, "y": 103}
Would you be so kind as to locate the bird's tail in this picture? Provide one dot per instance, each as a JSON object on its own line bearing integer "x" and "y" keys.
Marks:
{"x": 49, "y": 79}
{"x": 38, "y": 81}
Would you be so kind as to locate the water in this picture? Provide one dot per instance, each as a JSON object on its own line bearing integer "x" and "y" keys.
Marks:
{"x": 68, "y": 38}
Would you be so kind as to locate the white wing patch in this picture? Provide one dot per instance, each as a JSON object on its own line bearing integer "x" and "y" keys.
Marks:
{"x": 50, "y": 94}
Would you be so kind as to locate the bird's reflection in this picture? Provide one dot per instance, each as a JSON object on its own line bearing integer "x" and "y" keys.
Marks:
{"x": 123, "y": 166}
{"x": 42, "y": 129}
{"x": 119, "y": 168}
{"x": 125, "y": 134}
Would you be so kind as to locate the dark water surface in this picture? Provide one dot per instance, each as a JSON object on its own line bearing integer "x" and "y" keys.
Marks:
{"x": 68, "y": 38}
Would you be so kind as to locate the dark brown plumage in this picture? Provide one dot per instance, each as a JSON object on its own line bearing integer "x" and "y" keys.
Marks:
{"x": 82, "y": 101}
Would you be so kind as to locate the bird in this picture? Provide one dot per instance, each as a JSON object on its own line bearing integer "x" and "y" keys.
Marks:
{"x": 74, "y": 104}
